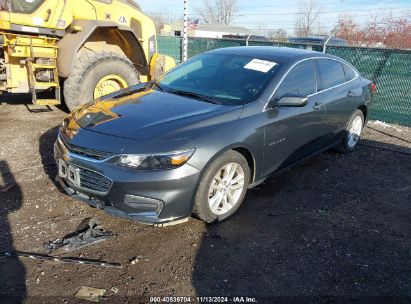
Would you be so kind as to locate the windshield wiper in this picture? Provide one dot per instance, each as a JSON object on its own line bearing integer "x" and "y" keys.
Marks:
{"x": 195, "y": 95}
{"x": 155, "y": 84}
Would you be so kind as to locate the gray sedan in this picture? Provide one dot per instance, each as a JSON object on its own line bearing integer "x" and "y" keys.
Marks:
{"x": 196, "y": 139}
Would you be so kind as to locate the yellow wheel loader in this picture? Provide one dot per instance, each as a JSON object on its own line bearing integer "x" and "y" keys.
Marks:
{"x": 81, "y": 49}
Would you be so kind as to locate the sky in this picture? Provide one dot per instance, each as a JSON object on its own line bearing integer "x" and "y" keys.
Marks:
{"x": 266, "y": 15}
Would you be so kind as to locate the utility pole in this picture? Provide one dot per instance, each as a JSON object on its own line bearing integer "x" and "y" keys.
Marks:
{"x": 185, "y": 31}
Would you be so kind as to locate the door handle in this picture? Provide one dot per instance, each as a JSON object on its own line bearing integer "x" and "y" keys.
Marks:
{"x": 48, "y": 15}
{"x": 318, "y": 106}
{"x": 351, "y": 94}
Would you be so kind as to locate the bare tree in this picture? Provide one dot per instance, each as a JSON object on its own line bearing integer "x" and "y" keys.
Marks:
{"x": 279, "y": 35}
{"x": 162, "y": 17}
{"x": 219, "y": 11}
{"x": 307, "y": 16}
{"x": 261, "y": 29}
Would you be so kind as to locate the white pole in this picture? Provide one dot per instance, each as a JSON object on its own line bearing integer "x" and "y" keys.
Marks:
{"x": 326, "y": 42}
{"x": 185, "y": 31}
{"x": 248, "y": 39}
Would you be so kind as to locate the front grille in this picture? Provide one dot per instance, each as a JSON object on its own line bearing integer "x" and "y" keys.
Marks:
{"x": 90, "y": 153}
{"x": 94, "y": 181}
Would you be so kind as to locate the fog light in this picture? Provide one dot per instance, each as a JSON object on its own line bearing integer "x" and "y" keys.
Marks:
{"x": 144, "y": 204}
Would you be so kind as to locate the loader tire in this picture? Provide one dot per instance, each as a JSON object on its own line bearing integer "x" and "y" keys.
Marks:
{"x": 96, "y": 74}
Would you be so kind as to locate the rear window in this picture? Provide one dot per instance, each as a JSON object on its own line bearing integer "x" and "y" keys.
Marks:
{"x": 331, "y": 73}
{"x": 349, "y": 72}
{"x": 3, "y": 5}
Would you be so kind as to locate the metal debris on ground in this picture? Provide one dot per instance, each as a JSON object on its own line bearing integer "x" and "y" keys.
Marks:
{"x": 135, "y": 260}
{"x": 90, "y": 294}
{"x": 6, "y": 188}
{"x": 38, "y": 256}
{"x": 87, "y": 233}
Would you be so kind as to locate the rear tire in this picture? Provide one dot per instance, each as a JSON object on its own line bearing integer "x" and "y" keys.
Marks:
{"x": 352, "y": 133}
{"x": 90, "y": 68}
{"x": 222, "y": 188}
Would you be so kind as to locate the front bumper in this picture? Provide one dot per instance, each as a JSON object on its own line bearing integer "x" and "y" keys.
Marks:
{"x": 160, "y": 196}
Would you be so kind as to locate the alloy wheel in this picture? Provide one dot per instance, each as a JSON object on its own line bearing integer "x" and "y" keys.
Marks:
{"x": 354, "y": 131}
{"x": 226, "y": 188}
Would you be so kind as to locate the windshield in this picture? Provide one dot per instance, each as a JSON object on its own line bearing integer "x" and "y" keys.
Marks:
{"x": 25, "y": 6}
{"x": 226, "y": 78}
{"x": 4, "y": 5}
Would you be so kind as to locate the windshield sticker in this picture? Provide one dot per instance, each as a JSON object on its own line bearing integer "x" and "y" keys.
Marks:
{"x": 260, "y": 65}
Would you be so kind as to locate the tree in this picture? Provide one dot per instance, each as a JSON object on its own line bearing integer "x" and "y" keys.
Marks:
{"x": 279, "y": 35}
{"x": 219, "y": 11}
{"x": 307, "y": 16}
{"x": 349, "y": 30}
{"x": 261, "y": 29}
{"x": 397, "y": 32}
{"x": 373, "y": 32}
{"x": 389, "y": 31}
{"x": 162, "y": 17}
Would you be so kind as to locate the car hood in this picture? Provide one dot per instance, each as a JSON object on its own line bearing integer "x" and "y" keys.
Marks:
{"x": 151, "y": 114}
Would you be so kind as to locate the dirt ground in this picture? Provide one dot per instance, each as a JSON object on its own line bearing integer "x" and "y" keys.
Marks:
{"x": 333, "y": 230}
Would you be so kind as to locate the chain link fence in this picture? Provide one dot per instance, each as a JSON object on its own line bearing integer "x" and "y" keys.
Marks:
{"x": 389, "y": 68}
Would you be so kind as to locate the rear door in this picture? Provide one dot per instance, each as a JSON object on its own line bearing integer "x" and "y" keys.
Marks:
{"x": 292, "y": 133}
{"x": 341, "y": 93}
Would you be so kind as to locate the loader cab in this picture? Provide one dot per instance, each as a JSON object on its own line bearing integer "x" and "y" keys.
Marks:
{"x": 31, "y": 15}
{"x": 25, "y": 7}
{"x": 4, "y": 14}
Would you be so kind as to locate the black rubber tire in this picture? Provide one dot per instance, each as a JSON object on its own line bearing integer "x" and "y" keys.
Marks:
{"x": 343, "y": 147}
{"x": 89, "y": 67}
{"x": 201, "y": 207}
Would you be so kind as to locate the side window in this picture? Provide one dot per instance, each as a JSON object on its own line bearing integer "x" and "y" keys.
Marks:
{"x": 4, "y": 5}
{"x": 331, "y": 73}
{"x": 300, "y": 81}
{"x": 25, "y": 6}
{"x": 349, "y": 72}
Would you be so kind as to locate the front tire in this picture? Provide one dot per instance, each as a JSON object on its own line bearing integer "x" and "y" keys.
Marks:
{"x": 222, "y": 188}
{"x": 352, "y": 133}
{"x": 96, "y": 74}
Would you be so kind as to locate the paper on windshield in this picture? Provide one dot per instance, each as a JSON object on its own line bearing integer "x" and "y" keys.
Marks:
{"x": 260, "y": 65}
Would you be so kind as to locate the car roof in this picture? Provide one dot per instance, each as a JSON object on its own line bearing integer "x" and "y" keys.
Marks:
{"x": 276, "y": 54}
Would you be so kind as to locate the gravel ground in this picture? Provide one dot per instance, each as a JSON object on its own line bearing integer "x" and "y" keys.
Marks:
{"x": 333, "y": 230}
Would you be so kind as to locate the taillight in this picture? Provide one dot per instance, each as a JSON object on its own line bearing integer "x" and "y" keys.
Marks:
{"x": 373, "y": 87}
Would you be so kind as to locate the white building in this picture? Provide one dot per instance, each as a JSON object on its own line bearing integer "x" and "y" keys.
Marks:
{"x": 203, "y": 30}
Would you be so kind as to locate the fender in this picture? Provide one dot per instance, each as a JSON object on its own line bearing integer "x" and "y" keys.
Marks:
{"x": 80, "y": 32}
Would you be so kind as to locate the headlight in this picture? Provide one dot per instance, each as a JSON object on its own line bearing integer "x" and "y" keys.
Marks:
{"x": 156, "y": 162}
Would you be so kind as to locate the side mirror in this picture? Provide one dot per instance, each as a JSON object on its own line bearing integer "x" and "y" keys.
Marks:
{"x": 292, "y": 101}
